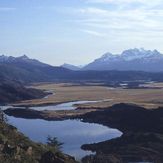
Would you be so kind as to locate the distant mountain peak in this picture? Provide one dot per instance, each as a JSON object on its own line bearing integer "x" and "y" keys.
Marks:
{"x": 21, "y": 59}
{"x": 70, "y": 67}
{"x": 11, "y": 58}
{"x": 136, "y": 53}
{"x": 131, "y": 59}
{"x": 106, "y": 55}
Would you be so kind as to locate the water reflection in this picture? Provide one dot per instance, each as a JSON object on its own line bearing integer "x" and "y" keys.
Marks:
{"x": 73, "y": 133}
{"x": 63, "y": 106}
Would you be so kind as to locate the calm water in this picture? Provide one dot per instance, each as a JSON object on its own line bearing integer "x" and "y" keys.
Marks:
{"x": 63, "y": 106}
{"x": 73, "y": 133}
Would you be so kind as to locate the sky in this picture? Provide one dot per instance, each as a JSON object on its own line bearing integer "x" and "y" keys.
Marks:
{"x": 78, "y": 31}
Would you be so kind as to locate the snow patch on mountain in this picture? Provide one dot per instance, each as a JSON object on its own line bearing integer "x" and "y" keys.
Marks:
{"x": 132, "y": 54}
{"x": 132, "y": 59}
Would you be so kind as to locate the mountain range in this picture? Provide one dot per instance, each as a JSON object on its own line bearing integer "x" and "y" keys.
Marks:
{"x": 24, "y": 69}
{"x": 16, "y": 72}
{"x": 109, "y": 67}
{"x": 129, "y": 60}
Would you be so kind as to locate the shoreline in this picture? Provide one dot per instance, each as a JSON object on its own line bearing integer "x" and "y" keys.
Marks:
{"x": 142, "y": 130}
{"x": 16, "y": 147}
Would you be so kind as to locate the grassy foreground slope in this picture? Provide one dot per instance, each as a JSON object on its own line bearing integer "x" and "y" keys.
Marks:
{"x": 16, "y": 148}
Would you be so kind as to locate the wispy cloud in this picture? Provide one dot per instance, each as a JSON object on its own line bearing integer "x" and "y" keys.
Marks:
{"x": 125, "y": 1}
{"x": 140, "y": 20}
{"x": 112, "y": 1}
{"x": 123, "y": 4}
{"x": 94, "y": 33}
{"x": 93, "y": 10}
{"x": 7, "y": 8}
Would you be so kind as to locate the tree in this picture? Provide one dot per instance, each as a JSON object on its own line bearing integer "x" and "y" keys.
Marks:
{"x": 54, "y": 143}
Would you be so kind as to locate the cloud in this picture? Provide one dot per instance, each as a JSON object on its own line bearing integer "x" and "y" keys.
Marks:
{"x": 94, "y": 33}
{"x": 123, "y": 4}
{"x": 7, "y": 9}
{"x": 139, "y": 20}
{"x": 120, "y": 21}
{"x": 93, "y": 10}
{"x": 125, "y": 1}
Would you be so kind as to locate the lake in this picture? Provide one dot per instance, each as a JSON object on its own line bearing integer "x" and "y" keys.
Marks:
{"x": 73, "y": 133}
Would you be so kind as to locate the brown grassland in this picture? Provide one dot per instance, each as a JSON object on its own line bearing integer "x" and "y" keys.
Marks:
{"x": 150, "y": 97}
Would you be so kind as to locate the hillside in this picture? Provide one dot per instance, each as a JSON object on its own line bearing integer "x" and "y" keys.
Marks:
{"x": 16, "y": 148}
{"x": 12, "y": 91}
{"x": 25, "y": 70}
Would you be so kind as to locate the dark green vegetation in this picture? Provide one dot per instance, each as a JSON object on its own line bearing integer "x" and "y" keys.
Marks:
{"x": 24, "y": 113}
{"x": 16, "y": 148}
{"x": 142, "y": 138}
{"x": 132, "y": 147}
{"x": 11, "y": 91}
{"x": 128, "y": 117}
{"x": 45, "y": 114}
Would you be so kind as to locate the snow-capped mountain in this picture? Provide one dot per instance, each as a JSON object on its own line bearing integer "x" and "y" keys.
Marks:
{"x": 132, "y": 59}
{"x": 132, "y": 54}
{"x": 107, "y": 57}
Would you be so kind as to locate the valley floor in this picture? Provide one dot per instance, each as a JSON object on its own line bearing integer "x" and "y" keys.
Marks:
{"x": 142, "y": 138}
{"x": 149, "y": 96}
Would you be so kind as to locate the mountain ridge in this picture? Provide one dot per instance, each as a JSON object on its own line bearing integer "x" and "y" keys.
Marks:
{"x": 131, "y": 59}
{"x": 24, "y": 69}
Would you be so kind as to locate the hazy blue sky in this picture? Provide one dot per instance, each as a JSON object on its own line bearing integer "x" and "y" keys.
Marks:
{"x": 78, "y": 31}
